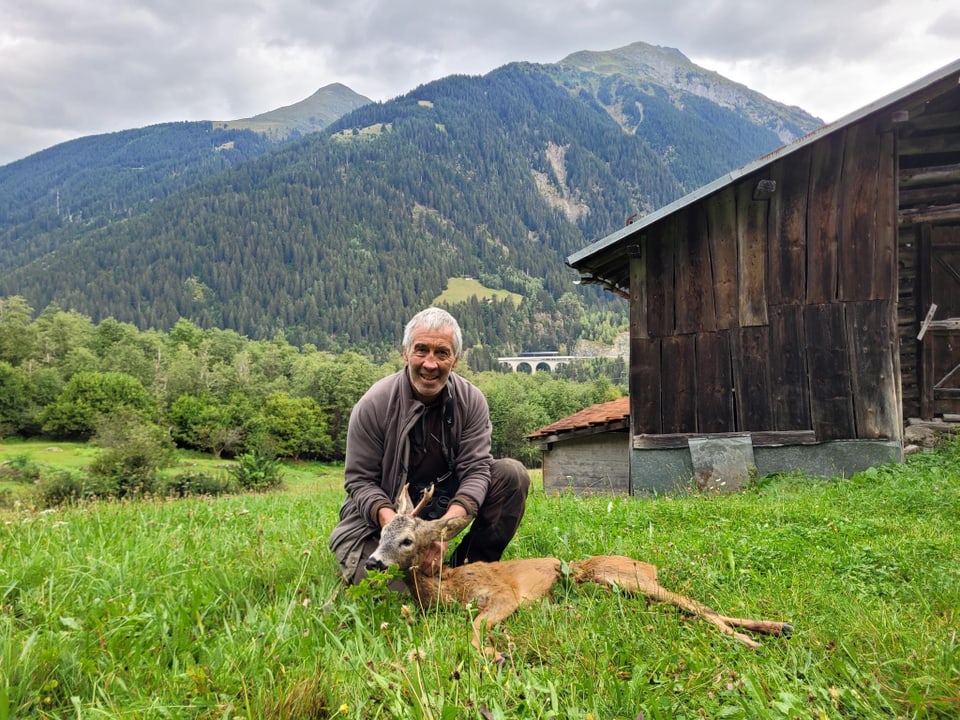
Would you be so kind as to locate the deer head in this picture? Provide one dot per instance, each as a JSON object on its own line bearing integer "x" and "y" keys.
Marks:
{"x": 404, "y": 539}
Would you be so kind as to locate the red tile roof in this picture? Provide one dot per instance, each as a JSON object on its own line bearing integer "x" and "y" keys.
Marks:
{"x": 612, "y": 413}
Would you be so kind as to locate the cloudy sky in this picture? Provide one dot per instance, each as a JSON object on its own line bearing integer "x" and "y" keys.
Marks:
{"x": 70, "y": 68}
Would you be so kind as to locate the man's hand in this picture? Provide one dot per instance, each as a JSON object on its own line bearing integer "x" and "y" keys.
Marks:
{"x": 435, "y": 554}
{"x": 433, "y": 558}
{"x": 385, "y": 515}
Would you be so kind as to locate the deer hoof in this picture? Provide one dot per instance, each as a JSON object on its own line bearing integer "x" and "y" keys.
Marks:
{"x": 786, "y": 630}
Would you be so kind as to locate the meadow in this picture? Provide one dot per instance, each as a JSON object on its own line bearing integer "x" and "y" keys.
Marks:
{"x": 230, "y": 607}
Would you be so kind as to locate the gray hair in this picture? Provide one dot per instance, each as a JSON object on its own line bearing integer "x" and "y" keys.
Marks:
{"x": 433, "y": 318}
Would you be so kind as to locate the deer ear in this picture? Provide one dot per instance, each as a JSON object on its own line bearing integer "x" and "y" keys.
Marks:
{"x": 454, "y": 526}
{"x": 437, "y": 530}
{"x": 404, "y": 504}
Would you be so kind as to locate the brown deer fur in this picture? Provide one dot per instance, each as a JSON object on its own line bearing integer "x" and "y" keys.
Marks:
{"x": 499, "y": 588}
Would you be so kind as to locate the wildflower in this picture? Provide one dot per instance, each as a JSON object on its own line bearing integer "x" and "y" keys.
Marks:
{"x": 344, "y": 709}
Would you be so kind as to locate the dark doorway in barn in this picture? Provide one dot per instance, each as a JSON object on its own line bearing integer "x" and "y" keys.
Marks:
{"x": 940, "y": 333}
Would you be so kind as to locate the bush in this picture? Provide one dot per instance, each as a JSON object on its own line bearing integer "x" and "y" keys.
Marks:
{"x": 62, "y": 487}
{"x": 257, "y": 471}
{"x": 196, "y": 482}
{"x": 130, "y": 471}
{"x": 134, "y": 452}
{"x": 20, "y": 468}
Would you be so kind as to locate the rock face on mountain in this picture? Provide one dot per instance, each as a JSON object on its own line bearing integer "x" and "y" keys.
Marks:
{"x": 670, "y": 68}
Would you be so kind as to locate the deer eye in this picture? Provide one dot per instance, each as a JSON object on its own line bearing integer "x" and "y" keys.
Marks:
{"x": 407, "y": 542}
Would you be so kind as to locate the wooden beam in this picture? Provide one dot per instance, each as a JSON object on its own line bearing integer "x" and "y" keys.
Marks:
{"x": 932, "y": 214}
{"x": 933, "y": 121}
{"x": 936, "y": 175}
{"x": 929, "y": 144}
{"x": 765, "y": 438}
{"x": 939, "y": 195}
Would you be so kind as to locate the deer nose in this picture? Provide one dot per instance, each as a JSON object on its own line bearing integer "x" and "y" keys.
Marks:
{"x": 374, "y": 564}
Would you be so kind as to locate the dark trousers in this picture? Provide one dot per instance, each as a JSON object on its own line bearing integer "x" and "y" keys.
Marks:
{"x": 499, "y": 517}
{"x": 496, "y": 523}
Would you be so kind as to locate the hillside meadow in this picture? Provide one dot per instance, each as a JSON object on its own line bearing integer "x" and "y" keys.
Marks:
{"x": 229, "y": 607}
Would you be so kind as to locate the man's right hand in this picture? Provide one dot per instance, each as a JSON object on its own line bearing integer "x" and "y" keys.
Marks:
{"x": 385, "y": 515}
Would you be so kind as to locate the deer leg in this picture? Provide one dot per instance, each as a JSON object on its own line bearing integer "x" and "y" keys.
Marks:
{"x": 640, "y": 577}
{"x": 492, "y": 611}
{"x": 500, "y": 588}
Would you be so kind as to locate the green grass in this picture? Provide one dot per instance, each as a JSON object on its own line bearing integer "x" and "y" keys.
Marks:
{"x": 230, "y": 608}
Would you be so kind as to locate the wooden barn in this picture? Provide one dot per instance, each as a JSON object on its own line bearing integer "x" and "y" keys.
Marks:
{"x": 806, "y": 304}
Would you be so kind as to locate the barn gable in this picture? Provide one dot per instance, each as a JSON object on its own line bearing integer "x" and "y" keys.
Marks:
{"x": 784, "y": 301}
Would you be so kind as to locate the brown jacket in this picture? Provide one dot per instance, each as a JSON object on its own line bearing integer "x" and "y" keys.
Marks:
{"x": 378, "y": 451}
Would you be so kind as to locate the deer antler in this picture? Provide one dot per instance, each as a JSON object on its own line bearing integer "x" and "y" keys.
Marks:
{"x": 427, "y": 496}
{"x": 405, "y": 504}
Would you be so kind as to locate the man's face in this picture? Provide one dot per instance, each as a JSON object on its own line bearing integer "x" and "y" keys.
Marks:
{"x": 429, "y": 362}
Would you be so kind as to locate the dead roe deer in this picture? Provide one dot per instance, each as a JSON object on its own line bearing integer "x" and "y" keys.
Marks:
{"x": 499, "y": 588}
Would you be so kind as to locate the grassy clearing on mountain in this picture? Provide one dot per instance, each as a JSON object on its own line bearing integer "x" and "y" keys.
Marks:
{"x": 462, "y": 289}
{"x": 230, "y": 607}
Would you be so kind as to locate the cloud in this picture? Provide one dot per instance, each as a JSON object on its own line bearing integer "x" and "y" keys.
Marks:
{"x": 68, "y": 70}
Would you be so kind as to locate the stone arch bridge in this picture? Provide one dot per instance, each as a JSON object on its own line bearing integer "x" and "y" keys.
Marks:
{"x": 533, "y": 362}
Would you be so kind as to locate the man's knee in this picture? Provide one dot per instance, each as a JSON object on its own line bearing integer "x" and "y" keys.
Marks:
{"x": 511, "y": 475}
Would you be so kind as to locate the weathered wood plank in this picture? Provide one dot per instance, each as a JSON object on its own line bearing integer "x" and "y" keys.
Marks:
{"x": 722, "y": 227}
{"x": 678, "y": 384}
{"x": 659, "y": 253}
{"x": 885, "y": 249}
{"x": 751, "y": 255}
{"x": 871, "y": 338}
{"x": 822, "y": 219}
{"x": 687, "y": 298}
{"x": 858, "y": 212}
{"x": 638, "y": 291}
{"x": 751, "y": 377}
{"x": 788, "y": 369}
{"x": 828, "y": 365}
{"x": 645, "y": 415}
{"x": 787, "y": 255}
{"x": 694, "y": 304}
{"x": 714, "y": 383}
{"x": 759, "y": 439}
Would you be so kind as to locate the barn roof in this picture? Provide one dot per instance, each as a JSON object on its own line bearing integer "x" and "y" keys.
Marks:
{"x": 602, "y": 261}
{"x": 613, "y": 415}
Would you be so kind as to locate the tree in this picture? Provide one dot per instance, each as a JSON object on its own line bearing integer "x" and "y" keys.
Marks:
{"x": 294, "y": 427}
{"x": 336, "y": 384}
{"x": 205, "y": 423}
{"x": 87, "y": 397}
{"x": 13, "y": 399}
{"x": 17, "y": 335}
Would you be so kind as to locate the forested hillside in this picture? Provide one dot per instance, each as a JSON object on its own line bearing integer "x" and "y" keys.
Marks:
{"x": 71, "y": 190}
{"x": 334, "y": 239}
{"x": 60, "y": 194}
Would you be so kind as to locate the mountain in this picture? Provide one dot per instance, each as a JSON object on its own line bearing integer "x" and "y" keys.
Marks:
{"x": 333, "y": 238}
{"x": 326, "y": 105}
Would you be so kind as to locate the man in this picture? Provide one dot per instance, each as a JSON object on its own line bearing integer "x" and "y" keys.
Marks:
{"x": 425, "y": 425}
